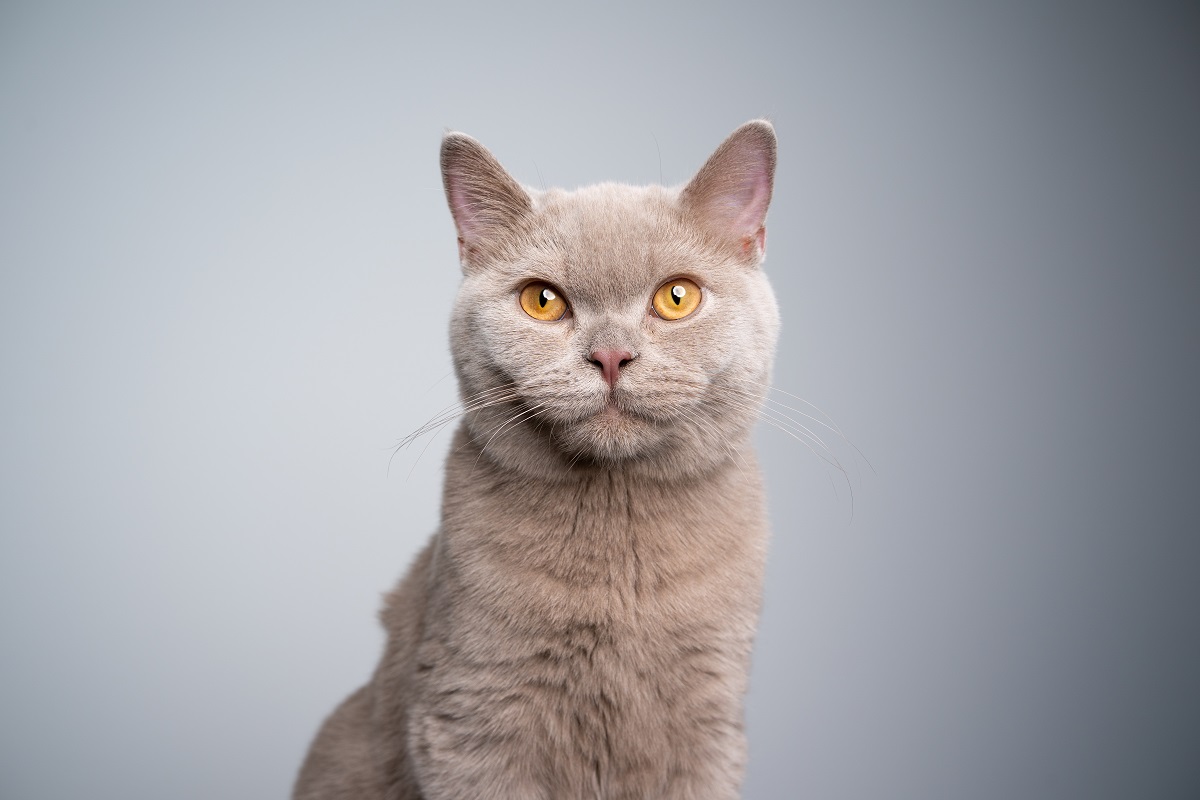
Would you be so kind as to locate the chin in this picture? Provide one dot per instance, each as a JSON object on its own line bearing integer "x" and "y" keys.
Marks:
{"x": 613, "y": 435}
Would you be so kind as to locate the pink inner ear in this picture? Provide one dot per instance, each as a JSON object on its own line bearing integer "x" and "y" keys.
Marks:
{"x": 756, "y": 242}
{"x": 730, "y": 194}
{"x": 483, "y": 198}
{"x": 738, "y": 204}
{"x": 465, "y": 215}
{"x": 751, "y": 202}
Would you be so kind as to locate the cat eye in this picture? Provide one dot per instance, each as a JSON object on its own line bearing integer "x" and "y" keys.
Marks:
{"x": 676, "y": 299}
{"x": 542, "y": 301}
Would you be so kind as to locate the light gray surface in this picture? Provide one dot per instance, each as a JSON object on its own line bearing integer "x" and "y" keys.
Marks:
{"x": 226, "y": 273}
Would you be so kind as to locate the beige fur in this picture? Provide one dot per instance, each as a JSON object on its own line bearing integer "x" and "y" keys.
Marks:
{"x": 581, "y": 624}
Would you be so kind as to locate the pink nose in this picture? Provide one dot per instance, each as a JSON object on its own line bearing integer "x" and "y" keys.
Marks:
{"x": 610, "y": 363}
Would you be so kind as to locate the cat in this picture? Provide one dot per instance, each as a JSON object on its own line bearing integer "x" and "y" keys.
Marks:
{"x": 580, "y": 626}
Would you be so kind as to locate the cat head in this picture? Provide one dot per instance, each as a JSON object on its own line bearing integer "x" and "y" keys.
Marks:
{"x": 613, "y": 324}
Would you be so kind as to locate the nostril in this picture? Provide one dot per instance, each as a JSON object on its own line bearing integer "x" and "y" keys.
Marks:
{"x": 610, "y": 363}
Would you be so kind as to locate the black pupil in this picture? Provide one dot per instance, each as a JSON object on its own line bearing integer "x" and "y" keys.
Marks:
{"x": 674, "y": 296}
{"x": 542, "y": 299}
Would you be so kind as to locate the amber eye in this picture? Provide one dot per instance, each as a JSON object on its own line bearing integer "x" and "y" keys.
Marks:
{"x": 676, "y": 299}
{"x": 542, "y": 301}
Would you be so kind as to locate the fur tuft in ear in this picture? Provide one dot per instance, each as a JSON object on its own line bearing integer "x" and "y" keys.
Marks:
{"x": 730, "y": 194}
{"x": 484, "y": 199}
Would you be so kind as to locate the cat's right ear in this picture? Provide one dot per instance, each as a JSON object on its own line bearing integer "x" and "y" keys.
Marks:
{"x": 486, "y": 202}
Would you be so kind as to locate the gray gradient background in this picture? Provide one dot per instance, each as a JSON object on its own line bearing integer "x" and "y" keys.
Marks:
{"x": 227, "y": 269}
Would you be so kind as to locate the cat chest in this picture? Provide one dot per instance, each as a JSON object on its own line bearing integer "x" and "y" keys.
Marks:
{"x": 595, "y": 712}
{"x": 637, "y": 714}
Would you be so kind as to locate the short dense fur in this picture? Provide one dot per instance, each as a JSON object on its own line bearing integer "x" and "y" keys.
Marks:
{"x": 581, "y": 624}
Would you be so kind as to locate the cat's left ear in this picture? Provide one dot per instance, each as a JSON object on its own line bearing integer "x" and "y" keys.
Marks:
{"x": 487, "y": 203}
{"x": 730, "y": 194}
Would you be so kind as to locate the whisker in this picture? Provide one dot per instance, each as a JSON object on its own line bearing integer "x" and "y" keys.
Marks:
{"x": 835, "y": 462}
{"x": 439, "y": 423}
{"x": 520, "y": 416}
{"x": 468, "y": 401}
{"x": 827, "y": 455}
{"x": 493, "y": 396}
{"x": 451, "y": 412}
{"x": 795, "y": 430}
{"x": 735, "y": 453}
{"x": 764, "y": 399}
{"x": 433, "y": 385}
{"x": 778, "y": 417}
{"x": 574, "y": 460}
{"x": 799, "y": 425}
{"x": 439, "y": 430}
{"x": 831, "y": 425}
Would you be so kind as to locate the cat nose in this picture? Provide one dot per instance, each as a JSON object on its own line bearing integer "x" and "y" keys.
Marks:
{"x": 610, "y": 363}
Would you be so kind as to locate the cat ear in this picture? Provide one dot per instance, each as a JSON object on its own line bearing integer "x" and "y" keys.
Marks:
{"x": 729, "y": 195}
{"x": 486, "y": 201}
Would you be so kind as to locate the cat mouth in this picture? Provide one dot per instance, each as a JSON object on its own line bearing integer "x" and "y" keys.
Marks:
{"x": 621, "y": 412}
{"x": 608, "y": 409}
{"x": 627, "y": 406}
{"x": 611, "y": 410}
{"x": 619, "y": 404}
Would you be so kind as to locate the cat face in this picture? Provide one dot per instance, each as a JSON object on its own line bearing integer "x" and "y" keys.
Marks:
{"x": 613, "y": 323}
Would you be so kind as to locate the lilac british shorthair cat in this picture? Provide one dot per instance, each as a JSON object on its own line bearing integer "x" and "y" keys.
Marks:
{"x": 580, "y": 625}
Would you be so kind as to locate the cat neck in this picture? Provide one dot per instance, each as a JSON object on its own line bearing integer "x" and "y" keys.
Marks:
{"x": 602, "y": 526}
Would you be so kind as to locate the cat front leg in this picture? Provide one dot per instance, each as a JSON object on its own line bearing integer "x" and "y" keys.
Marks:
{"x": 456, "y": 757}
